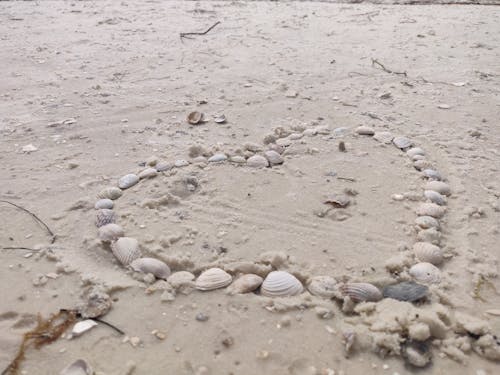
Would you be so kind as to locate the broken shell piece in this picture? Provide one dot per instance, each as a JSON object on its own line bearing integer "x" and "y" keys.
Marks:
{"x": 338, "y": 200}
{"x": 126, "y": 250}
{"x": 213, "y": 278}
{"x": 426, "y": 273}
{"x": 281, "y": 284}
{"x": 83, "y": 326}
{"x": 220, "y": 119}
{"x": 402, "y": 142}
{"x": 79, "y": 367}
{"x": 430, "y": 209}
{"x": 151, "y": 265}
{"x": 408, "y": 291}
{"x": 104, "y": 217}
{"x": 110, "y": 232}
{"x": 323, "y": 286}
{"x": 246, "y": 284}
{"x": 427, "y": 252}
{"x": 195, "y": 117}
{"x": 360, "y": 292}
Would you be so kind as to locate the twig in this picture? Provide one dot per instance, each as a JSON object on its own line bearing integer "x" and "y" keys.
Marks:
{"x": 347, "y": 179}
{"x": 184, "y": 35}
{"x": 375, "y": 62}
{"x": 18, "y": 248}
{"x": 35, "y": 217}
{"x": 109, "y": 325}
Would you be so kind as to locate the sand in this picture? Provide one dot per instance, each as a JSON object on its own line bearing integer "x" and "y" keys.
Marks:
{"x": 97, "y": 88}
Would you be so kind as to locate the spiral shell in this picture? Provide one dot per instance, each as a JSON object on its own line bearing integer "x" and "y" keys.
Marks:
{"x": 408, "y": 291}
{"x": 151, "y": 265}
{"x": 281, "y": 284}
{"x": 430, "y": 209}
{"x": 361, "y": 292}
{"x": 126, "y": 249}
{"x": 426, "y": 273}
{"x": 110, "y": 232}
{"x": 112, "y": 193}
{"x": 323, "y": 286}
{"x": 246, "y": 284}
{"x": 427, "y": 252}
{"x": 127, "y": 181}
{"x": 104, "y": 217}
{"x": 213, "y": 278}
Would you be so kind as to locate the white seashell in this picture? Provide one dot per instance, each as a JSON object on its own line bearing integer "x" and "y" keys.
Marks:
{"x": 217, "y": 158}
{"x": 213, "y": 278}
{"x": 110, "y": 232}
{"x": 148, "y": 173}
{"x": 435, "y": 197}
{"x": 418, "y": 157}
{"x": 181, "y": 279}
{"x": 181, "y": 163}
{"x": 195, "y": 117}
{"x": 126, "y": 250}
{"x": 422, "y": 164}
{"x": 414, "y": 151}
{"x": 427, "y": 252}
{"x": 104, "y": 203}
{"x": 364, "y": 130}
{"x": 427, "y": 222}
{"x": 430, "y": 209}
{"x": 238, "y": 159}
{"x": 246, "y": 284}
{"x": 151, "y": 265}
{"x": 402, "y": 142}
{"x": 112, "y": 193}
{"x": 281, "y": 284}
{"x": 128, "y": 181}
{"x": 432, "y": 174}
{"x": 273, "y": 157}
{"x": 164, "y": 166}
{"x": 360, "y": 292}
{"x": 79, "y": 367}
{"x": 83, "y": 326}
{"x": 426, "y": 273}
{"x": 257, "y": 161}
{"x": 220, "y": 119}
{"x": 439, "y": 186}
{"x": 383, "y": 137}
{"x": 323, "y": 286}
{"x": 104, "y": 217}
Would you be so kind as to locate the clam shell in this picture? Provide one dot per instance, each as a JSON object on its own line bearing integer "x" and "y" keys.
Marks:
{"x": 435, "y": 197}
{"x": 151, "y": 265}
{"x": 414, "y": 151}
{"x": 426, "y": 273}
{"x": 164, "y": 166}
{"x": 148, "y": 173}
{"x": 432, "y": 174}
{"x": 427, "y": 222}
{"x": 281, "y": 284}
{"x": 430, "y": 209}
{"x": 126, "y": 250}
{"x": 195, "y": 117}
{"x": 104, "y": 217}
{"x": 273, "y": 157}
{"x": 360, "y": 292}
{"x": 402, "y": 142}
{"x": 217, "y": 158}
{"x": 257, "y": 161}
{"x": 439, "y": 186}
{"x": 79, "y": 367}
{"x": 128, "y": 181}
{"x": 110, "y": 232}
{"x": 323, "y": 286}
{"x": 338, "y": 200}
{"x": 213, "y": 278}
{"x": 246, "y": 284}
{"x": 408, "y": 291}
{"x": 104, "y": 203}
{"x": 427, "y": 252}
{"x": 112, "y": 193}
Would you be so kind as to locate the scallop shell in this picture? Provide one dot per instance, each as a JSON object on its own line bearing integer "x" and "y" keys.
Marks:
{"x": 281, "y": 284}
{"x": 126, "y": 250}
{"x": 323, "y": 286}
{"x": 246, "y": 284}
{"x": 128, "y": 181}
{"x": 426, "y": 273}
{"x": 408, "y": 291}
{"x": 79, "y": 367}
{"x": 427, "y": 222}
{"x": 360, "y": 292}
{"x": 439, "y": 186}
{"x": 427, "y": 252}
{"x": 431, "y": 235}
{"x": 112, "y": 193}
{"x": 435, "y": 197}
{"x": 338, "y": 200}
{"x": 104, "y": 203}
{"x": 104, "y": 217}
{"x": 151, "y": 265}
{"x": 110, "y": 232}
{"x": 402, "y": 142}
{"x": 213, "y": 278}
{"x": 195, "y": 118}
{"x": 430, "y": 209}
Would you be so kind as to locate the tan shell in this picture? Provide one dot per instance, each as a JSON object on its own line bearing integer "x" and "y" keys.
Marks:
{"x": 426, "y": 273}
{"x": 427, "y": 252}
{"x": 104, "y": 217}
{"x": 112, "y": 193}
{"x": 246, "y": 284}
{"x": 213, "y": 278}
{"x": 281, "y": 284}
{"x": 323, "y": 286}
{"x": 126, "y": 250}
{"x": 110, "y": 232}
{"x": 426, "y": 222}
{"x": 430, "y": 209}
{"x": 195, "y": 117}
{"x": 360, "y": 292}
{"x": 79, "y": 367}
{"x": 151, "y": 265}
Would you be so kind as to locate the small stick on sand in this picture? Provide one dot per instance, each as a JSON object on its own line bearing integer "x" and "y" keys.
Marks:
{"x": 18, "y": 248}
{"x": 377, "y": 63}
{"x": 184, "y": 35}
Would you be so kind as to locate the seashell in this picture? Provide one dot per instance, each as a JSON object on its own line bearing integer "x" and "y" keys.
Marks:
{"x": 273, "y": 157}
{"x": 181, "y": 163}
{"x": 104, "y": 217}
{"x": 416, "y": 353}
{"x": 338, "y": 200}
{"x": 79, "y": 367}
{"x": 427, "y": 252}
{"x": 257, "y": 161}
{"x": 422, "y": 164}
{"x": 83, "y": 326}
{"x": 383, "y": 137}
{"x": 110, "y": 232}
{"x": 431, "y": 235}
{"x": 418, "y": 157}
{"x": 195, "y": 117}
{"x": 148, "y": 173}
{"x": 151, "y": 265}
{"x": 435, "y": 197}
{"x": 181, "y": 279}
{"x": 281, "y": 284}
{"x": 364, "y": 130}
{"x": 217, "y": 158}
{"x": 430, "y": 209}
{"x": 246, "y": 284}
{"x": 220, "y": 119}
{"x": 439, "y": 186}
{"x": 323, "y": 286}
{"x": 213, "y": 278}
{"x": 407, "y": 291}
{"x": 360, "y": 292}
{"x": 427, "y": 222}
{"x": 164, "y": 166}
{"x": 426, "y": 273}
{"x": 104, "y": 203}
{"x": 127, "y": 181}
{"x": 126, "y": 250}
{"x": 97, "y": 303}
{"x": 432, "y": 174}
{"x": 112, "y": 193}
{"x": 414, "y": 151}
{"x": 402, "y": 142}
{"x": 238, "y": 159}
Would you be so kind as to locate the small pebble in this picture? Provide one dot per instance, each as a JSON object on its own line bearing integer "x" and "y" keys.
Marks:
{"x": 201, "y": 317}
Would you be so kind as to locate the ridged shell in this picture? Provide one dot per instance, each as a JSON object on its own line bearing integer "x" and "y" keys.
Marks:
{"x": 104, "y": 203}
{"x": 128, "y": 181}
{"x": 427, "y": 252}
{"x": 426, "y": 273}
{"x": 110, "y": 232}
{"x": 408, "y": 291}
{"x": 246, "y": 284}
{"x": 79, "y": 367}
{"x": 112, "y": 193}
{"x": 151, "y": 265}
{"x": 435, "y": 197}
{"x": 213, "y": 278}
{"x": 281, "y": 284}
{"x": 126, "y": 250}
{"x": 427, "y": 222}
{"x": 430, "y": 209}
{"x": 104, "y": 217}
{"x": 402, "y": 142}
{"x": 360, "y": 292}
{"x": 439, "y": 186}
{"x": 323, "y": 286}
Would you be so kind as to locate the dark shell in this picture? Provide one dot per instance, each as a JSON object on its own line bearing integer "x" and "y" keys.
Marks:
{"x": 408, "y": 291}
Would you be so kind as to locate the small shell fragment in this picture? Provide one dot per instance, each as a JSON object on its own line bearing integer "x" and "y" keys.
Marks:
{"x": 220, "y": 119}
{"x": 195, "y": 117}
{"x": 426, "y": 273}
{"x": 213, "y": 278}
{"x": 246, "y": 284}
{"x": 104, "y": 217}
{"x": 408, "y": 291}
{"x": 79, "y": 367}
{"x": 159, "y": 269}
{"x": 110, "y": 232}
{"x": 281, "y": 284}
{"x": 217, "y": 158}
{"x": 360, "y": 292}
{"x": 402, "y": 142}
{"x": 338, "y": 200}
{"x": 128, "y": 181}
{"x": 383, "y": 137}
{"x": 126, "y": 250}
{"x": 323, "y": 286}
{"x": 83, "y": 326}
{"x": 427, "y": 252}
